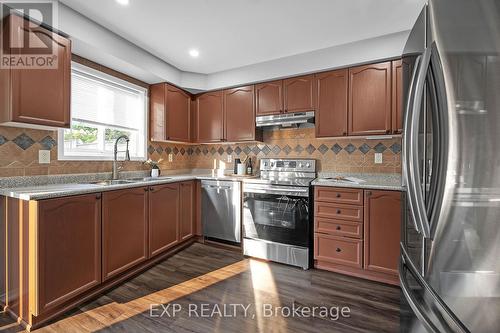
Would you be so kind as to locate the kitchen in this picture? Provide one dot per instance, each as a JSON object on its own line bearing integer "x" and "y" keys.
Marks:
{"x": 228, "y": 176}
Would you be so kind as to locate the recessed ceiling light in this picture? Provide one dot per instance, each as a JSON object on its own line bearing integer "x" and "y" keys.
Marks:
{"x": 122, "y": 2}
{"x": 194, "y": 53}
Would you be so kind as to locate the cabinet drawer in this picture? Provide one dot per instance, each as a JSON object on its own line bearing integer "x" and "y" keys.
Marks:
{"x": 338, "y": 211}
{"x": 340, "y": 195}
{"x": 338, "y": 227}
{"x": 340, "y": 250}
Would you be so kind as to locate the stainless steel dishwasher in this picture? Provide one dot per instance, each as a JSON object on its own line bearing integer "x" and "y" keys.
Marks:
{"x": 221, "y": 210}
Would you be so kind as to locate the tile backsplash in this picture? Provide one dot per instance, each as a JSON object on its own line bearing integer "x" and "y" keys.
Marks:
{"x": 19, "y": 153}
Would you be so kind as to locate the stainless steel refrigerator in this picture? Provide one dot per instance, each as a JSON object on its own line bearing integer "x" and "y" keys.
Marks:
{"x": 450, "y": 248}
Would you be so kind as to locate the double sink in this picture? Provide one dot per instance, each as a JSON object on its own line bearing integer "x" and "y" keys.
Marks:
{"x": 110, "y": 182}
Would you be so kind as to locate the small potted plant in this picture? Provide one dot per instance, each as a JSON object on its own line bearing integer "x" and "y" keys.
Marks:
{"x": 155, "y": 169}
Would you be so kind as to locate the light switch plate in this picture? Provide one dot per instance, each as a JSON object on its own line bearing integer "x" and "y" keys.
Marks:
{"x": 44, "y": 157}
{"x": 170, "y": 157}
{"x": 229, "y": 158}
{"x": 378, "y": 158}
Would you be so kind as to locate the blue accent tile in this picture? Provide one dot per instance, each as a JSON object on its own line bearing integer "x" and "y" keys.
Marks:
{"x": 310, "y": 149}
{"x": 323, "y": 149}
{"x": 220, "y": 151}
{"x": 266, "y": 150}
{"x": 379, "y": 148}
{"x": 237, "y": 150}
{"x": 287, "y": 149}
{"x": 299, "y": 149}
{"x": 190, "y": 151}
{"x": 159, "y": 150}
{"x": 350, "y": 148}
{"x": 247, "y": 150}
{"x": 229, "y": 150}
{"x": 151, "y": 149}
{"x": 47, "y": 143}
{"x": 23, "y": 141}
{"x": 175, "y": 151}
{"x": 336, "y": 148}
{"x": 276, "y": 150}
{"x": 3, "y": 140}
{"x": 205, "y": 150}
{"x": 183, "y": 151}
{"x": 395, "y": 148}
{"x": 168, "y": 150}
{"x": 213, "y": 150}
{"x": 197, "y": 151}
{"x": 364, "y": 148}
{"x": 256, "y": 150}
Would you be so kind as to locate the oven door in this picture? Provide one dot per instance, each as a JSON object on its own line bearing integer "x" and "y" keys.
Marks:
{"x": 276, "y": 213}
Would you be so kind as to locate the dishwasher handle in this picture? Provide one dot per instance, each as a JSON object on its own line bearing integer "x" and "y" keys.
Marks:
{"x": 217, "y": 187}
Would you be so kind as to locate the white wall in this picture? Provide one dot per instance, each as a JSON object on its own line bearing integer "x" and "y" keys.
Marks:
{"x": 94, "y": 42}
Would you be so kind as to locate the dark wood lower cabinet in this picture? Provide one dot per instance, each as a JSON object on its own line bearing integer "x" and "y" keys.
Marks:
{"x": 187, "y": 206}
{"x": 124, "y": 228}
{"x": 69, "y": 248}
{"x": 163, "y": 217}
{"x": 357, "y": 232}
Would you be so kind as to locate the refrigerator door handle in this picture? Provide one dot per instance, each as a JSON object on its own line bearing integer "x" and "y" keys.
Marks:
{"x": 405, "y": 262}
{"x": 407, "y": 139}
{"x": 415, "y": 192}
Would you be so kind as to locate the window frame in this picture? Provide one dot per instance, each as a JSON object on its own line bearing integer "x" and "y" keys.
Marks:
{"x": 117, "y": 81}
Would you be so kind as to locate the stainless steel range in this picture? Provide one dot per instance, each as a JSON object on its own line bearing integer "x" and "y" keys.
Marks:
{"x": 276, "y": 206}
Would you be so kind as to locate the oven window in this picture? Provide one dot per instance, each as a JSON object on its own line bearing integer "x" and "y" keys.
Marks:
{"x": 277, "y": 218}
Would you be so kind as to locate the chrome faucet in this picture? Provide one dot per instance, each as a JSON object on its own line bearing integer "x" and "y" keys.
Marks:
{"x": 117, "y": 168}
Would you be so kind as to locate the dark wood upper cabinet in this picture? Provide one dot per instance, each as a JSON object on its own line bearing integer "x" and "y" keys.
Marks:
{"x": 370, "y": 99}
{"x": 299, "y": 93}
{"x": 36, "y": 96}
{"x": 331, "y": 108}
{"x": 397, "y": 97}
{"x": 239, "y": 111}
{"x": 124, "y": 230}
{"x": 210, "y": 117}
{"x": 170, "y": 113}
{"x": 163, "y": 217}
{"x": 187, "y": 206}
{"x": 269, "y": 98}
{"x": 157, "y": 112}
{"x": 178, "y": 114}
{"x": 69, "y": 248}
{"x": 382, "y": 220}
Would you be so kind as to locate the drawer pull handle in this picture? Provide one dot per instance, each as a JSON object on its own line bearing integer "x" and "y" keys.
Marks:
{"x": 338, "y": 227}
{"x": 338, "y": 211}
{"x": 338, "y": 195}
{"x": 338, "y": 249}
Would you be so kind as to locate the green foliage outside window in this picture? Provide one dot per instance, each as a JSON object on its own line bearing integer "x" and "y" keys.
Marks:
{"x": 85, "y": 134}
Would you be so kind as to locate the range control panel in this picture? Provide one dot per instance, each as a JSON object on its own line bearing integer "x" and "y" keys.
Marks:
{"x": 289, "y": 165}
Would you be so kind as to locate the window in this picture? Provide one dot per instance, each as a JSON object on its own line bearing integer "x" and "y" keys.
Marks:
{"x": 103, "y": 107}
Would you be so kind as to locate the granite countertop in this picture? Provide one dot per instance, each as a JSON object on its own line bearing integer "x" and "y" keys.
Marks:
{"x": 47, "y": 187}
{"x": 376, "y": 181}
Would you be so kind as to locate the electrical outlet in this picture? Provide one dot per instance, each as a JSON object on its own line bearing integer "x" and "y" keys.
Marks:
{"x": 378, "y": 158}
{"x": 229, "y": 158}
{"x": 44, "y": 157}
{"x": 170, "y": 157}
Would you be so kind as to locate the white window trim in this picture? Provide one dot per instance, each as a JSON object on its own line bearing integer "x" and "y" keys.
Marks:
{"x": 114, "y": 80}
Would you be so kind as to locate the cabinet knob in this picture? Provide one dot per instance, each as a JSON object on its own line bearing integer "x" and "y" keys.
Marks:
{"x": 344, "y": 133}
{"x": 368, "y": 193}
{"x": 338, "y": 227}
{"x": 338, "y": 249}
{"x": 98, "y": 196}
{"x": 146, "y": 189}
{"x": 338, "y": 211}
{"x": 388, "y": 132}
{"x": 338, "y": 195}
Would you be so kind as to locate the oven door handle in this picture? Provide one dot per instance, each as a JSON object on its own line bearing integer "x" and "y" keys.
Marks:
{"x": 299, "y": 192}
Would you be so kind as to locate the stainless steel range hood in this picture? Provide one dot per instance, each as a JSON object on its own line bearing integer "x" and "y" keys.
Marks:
{"x": 285, "y": 120}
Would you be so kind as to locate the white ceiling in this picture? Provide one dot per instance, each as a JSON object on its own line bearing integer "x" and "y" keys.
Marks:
{"x": 235, "y": 33}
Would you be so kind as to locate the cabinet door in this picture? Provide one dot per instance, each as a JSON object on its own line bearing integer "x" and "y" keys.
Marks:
{"x": 331, "y": 108}
{"x": 269, "y": 98}
{"x": 239, "y": 110}
{"x": 210, "y": 117}
{"x": 382, "y": 220}
{"x": 124, "y": 239}
{"x": 69, "y": 248}
{"x": 186, "y": 210}
{"x": 397, "y": 97}
{"x": 178, "y": 119}
{"x": 163, "y": 217}
{"x": 299, "y": 93}
{"x": 370, "y": 99}
{"x": 42, "y": 96}
{"x": 157, "y": 119}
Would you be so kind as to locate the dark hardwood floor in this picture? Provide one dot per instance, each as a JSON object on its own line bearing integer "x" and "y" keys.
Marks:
{"x": 206, "y": 277}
